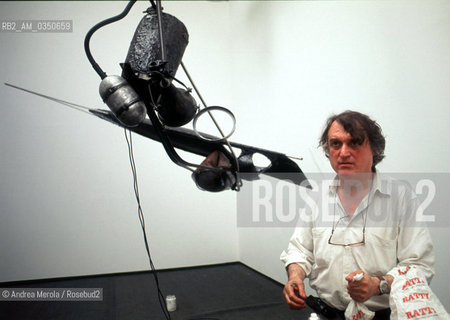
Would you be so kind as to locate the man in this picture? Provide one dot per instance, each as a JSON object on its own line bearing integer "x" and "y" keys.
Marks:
{"x": 373, "y": 228}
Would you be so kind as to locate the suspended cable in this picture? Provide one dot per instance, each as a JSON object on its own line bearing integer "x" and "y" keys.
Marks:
{"x": 99, "y": 25}
{"x": 129, "y": 140}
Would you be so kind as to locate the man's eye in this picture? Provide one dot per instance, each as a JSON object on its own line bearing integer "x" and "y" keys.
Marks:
{"x": 335, "y": 143}
{"x": 355, "y": 143}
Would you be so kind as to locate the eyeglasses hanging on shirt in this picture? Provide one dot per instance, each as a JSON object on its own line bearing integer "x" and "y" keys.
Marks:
{"x": 352, "y": 244}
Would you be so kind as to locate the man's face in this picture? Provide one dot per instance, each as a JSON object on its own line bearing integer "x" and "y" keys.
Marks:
{"x": 346, "y": 154}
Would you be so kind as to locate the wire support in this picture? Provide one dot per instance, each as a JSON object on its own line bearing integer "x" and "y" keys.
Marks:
{"x": 129, "y": 140}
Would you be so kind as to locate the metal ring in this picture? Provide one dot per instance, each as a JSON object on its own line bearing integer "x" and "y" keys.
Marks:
{"x": 209, "y": 137}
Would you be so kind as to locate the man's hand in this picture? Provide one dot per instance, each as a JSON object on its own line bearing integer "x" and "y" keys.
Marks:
{"x": 363, "y": 289}
{"x": 294, "y": 290}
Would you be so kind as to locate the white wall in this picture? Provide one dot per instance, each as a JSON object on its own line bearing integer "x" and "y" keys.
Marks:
{"x": 67, "y": 206}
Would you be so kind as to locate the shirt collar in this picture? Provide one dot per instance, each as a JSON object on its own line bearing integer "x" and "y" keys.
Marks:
{"x": 380, "y": 183}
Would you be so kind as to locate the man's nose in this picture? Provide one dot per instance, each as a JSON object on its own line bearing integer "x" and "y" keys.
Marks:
{"x": 345, "y": 150}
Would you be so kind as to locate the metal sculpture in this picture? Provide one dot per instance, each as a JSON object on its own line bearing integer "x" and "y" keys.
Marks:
{"x": 145, "y": 100}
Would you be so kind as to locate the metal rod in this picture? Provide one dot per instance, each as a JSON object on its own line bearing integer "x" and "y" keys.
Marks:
{"x": 201, "y": 99}
{"x": 64, "y": 102}
{"x": 161, "y": 40}
{"x": 238, "y": 179}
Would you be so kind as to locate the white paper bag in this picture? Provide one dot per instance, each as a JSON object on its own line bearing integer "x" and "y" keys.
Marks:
{"x": 411, "y": 298}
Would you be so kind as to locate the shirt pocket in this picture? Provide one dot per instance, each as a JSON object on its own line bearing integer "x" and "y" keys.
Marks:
{"x": 378, "y": 255}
